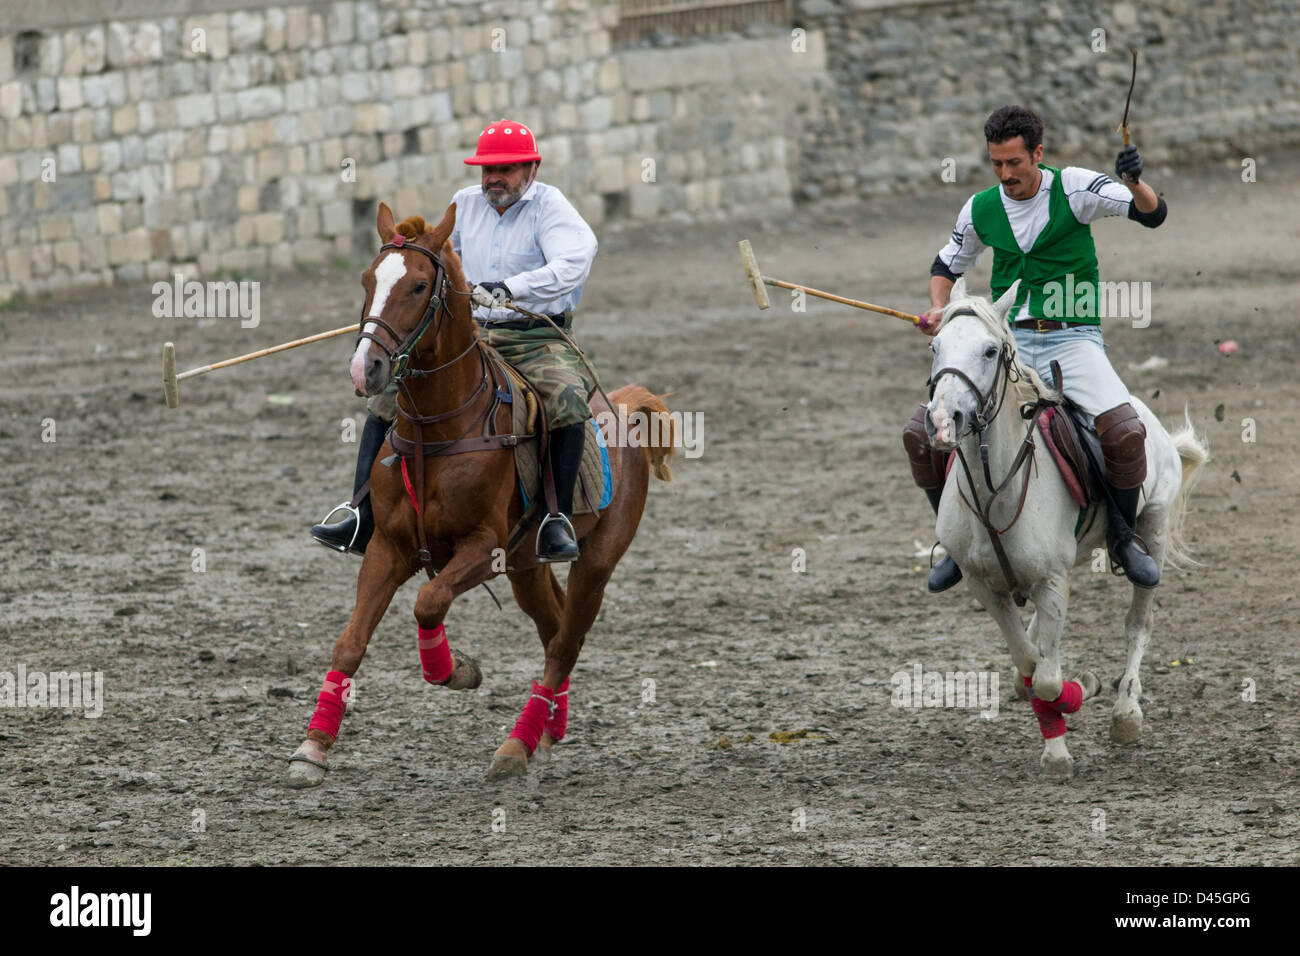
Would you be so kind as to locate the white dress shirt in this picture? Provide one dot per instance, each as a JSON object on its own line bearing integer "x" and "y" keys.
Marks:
{"x": 1092, "y": 196}
{"x": 540, "y": 247}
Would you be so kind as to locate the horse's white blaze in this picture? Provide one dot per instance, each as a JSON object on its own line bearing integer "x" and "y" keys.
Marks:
{"x": 387, "y": 275}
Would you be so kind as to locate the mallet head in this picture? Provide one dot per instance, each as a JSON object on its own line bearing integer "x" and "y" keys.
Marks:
{"x": 755, "y": 277}
{"x": 171, "y": 389}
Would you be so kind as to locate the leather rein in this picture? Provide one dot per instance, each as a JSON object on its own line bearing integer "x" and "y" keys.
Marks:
{"x": 987, "y": 411}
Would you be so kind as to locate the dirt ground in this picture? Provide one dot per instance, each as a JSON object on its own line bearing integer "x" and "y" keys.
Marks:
{"x": 210, "y": 678}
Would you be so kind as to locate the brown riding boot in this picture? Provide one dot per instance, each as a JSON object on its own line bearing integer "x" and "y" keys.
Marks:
{"x": 1123, "y": 445}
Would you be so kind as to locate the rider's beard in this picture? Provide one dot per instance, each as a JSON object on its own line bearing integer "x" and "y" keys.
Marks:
{"x": 503, "y": 198}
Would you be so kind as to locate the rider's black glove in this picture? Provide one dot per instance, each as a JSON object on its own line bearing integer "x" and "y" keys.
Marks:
{"x": 1128, "y": 165}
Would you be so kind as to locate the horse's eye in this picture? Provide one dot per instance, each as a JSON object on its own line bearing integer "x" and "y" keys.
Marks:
{"x": 419, "y": 288}
{"x": 990, "y": 352}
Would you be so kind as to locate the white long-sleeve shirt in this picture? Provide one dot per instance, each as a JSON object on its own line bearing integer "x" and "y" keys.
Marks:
{"x": 1092, "y": 196}
{"x": 540, "y": 247}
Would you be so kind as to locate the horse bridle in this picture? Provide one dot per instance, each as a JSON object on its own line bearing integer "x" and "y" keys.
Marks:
{"x": 983, "y": 417}
{"x": 399, "y": 358}
{"x": 1007, "y": 371}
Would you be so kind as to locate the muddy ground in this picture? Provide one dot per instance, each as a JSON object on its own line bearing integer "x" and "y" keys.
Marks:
{"x": 210, "y": 678}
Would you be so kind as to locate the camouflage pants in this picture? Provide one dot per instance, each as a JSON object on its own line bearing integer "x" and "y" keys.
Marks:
{"x": 551, "y": 365}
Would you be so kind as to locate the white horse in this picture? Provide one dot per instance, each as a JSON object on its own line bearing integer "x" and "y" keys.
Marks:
{"x": 1039, "y": 545}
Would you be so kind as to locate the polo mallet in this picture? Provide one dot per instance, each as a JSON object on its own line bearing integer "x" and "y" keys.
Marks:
{"x": 171, "y": 381}
{"x": 757, "y": 280}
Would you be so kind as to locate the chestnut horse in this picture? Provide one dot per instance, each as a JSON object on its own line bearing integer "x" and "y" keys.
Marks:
{"x": 420, "y": 323}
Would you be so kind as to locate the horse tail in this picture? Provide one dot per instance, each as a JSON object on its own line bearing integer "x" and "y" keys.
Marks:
{"x": 1194, "y": 451}
{"x": 659, "y": 449}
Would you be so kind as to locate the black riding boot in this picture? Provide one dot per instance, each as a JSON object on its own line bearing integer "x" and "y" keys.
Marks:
{"x": 946, "y": 573}
{"x": 1139, "y": 567}
{"x": 354, "y": 531}
{"x": 555, "y": 538}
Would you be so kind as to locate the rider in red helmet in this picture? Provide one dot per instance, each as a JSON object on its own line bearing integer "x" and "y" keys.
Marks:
{"x": 519, "y": 241}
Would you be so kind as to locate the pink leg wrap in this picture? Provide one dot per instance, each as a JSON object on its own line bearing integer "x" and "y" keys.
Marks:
{"x": 532, "y": 721}
{"x": 558, "y": 723}
{"x": 329, "y": 704}
{"x": 435, "y": 655}
{"x": 1050, "y": 721}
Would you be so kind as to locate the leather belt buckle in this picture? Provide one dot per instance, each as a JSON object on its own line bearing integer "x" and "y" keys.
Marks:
{"x": 1041, "y": 325}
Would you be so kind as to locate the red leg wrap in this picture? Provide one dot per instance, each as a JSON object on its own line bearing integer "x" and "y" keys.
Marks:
{"x": 1050, "y": 721}
{"x": 435, "y": 655}
{"x": 532, "y": 721}
{"x": 330, "y": 702}
{"x": 558, "y": 723}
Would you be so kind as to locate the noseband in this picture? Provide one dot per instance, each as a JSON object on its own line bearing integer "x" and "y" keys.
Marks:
{"x": 985, "y": 411}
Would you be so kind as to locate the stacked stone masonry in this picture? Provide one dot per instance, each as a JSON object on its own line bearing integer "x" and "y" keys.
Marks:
{"x": 914, "y": 82}
{"x": 235, "y": 137}
{"x": 240, "y": 140}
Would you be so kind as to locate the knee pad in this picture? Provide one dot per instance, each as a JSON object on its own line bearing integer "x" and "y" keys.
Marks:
{"x": 1123, "y": 445}
{"x": 927, "y": 464}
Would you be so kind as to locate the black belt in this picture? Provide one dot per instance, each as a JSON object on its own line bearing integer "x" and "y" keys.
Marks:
{"x": 563, "y": 320}
{"x": 1047, "y": 325}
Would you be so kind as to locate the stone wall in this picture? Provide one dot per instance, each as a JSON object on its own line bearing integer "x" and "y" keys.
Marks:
{"x": 232, "y": 137}
{"x": 915, "y": 80}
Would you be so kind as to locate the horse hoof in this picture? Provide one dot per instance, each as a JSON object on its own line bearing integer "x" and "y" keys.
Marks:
{"x": 1090, "y": 683}
{"x": 545, "y": 748}
{"x": 465, "y": 674}
{"x": 304, "y": 775}
{"x": 506, "y": 765}
{"x": 1057, "y": 768}
{"x": 308, "y": 765}
{"x": 1127, "y": 729}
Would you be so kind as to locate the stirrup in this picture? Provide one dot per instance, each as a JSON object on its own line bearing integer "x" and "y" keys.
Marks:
{"x": 356, "y": 516}
{"x": 537, "y": 544}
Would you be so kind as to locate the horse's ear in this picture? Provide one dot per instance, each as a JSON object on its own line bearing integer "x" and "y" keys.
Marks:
{"x": 439, "y": 233}
{"x": 1006, "y": 300}
{"x": 384, "y": 223}
{"x": 958, "y": 289}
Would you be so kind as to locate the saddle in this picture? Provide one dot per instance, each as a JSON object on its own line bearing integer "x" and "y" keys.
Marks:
{"x": 595, "y": 484}
{"x": 1076, "y": 449}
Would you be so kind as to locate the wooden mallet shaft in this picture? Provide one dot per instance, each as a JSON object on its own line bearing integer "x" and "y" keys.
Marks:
{"x": 757, "y": 280}
{"x": 171, "y": 380}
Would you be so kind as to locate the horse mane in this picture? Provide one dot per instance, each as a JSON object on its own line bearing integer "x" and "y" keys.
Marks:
{"x": 1030, "y": 386}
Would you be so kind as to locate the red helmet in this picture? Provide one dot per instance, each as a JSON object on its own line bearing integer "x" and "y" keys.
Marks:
{"x": 505, "y": 142}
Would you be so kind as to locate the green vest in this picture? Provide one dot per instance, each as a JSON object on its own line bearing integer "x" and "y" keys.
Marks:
{"x": 1063, "y": 258}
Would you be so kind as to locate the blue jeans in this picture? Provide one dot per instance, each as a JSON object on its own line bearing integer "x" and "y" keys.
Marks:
{"x": 1090, "y": 381}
